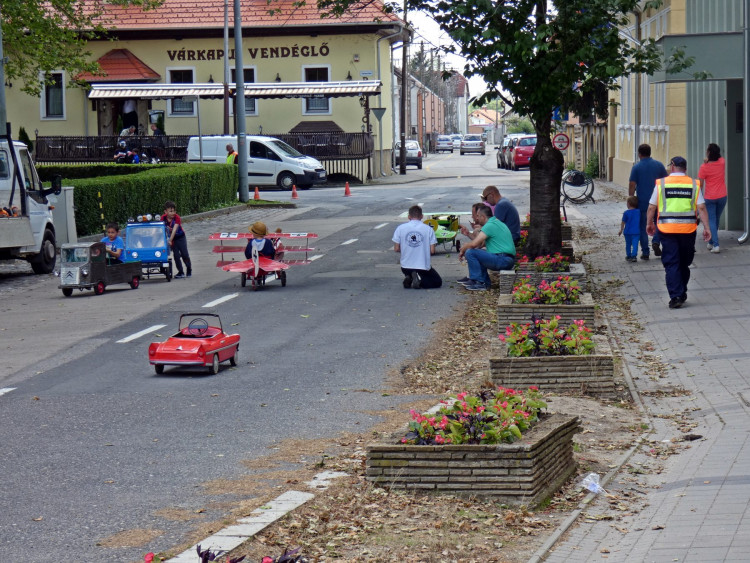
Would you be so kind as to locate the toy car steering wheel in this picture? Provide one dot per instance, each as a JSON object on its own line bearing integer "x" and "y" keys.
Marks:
{"x": 198, "y": 327}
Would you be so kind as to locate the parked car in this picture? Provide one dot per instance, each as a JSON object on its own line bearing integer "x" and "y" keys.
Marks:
{"x": 413, "y": 154}
{"x": 457, "y": 140}
{"x": 472, "y": 143}
{"x": 502, "y": 151}
{"x": 522, "y": 151}
{"x": 508, "y": 154}
{"x": 444, "y": 143}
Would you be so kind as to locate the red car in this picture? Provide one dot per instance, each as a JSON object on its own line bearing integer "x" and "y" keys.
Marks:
{"x": 200, "y": 341}
{"x": 522, "y": 151}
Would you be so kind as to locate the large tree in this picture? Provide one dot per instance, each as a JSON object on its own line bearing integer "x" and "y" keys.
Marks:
{"x": 41, "y": 36}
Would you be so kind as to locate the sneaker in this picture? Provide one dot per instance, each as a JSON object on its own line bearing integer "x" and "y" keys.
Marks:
{"x": 709, "y": 246}
{"x": 179, "y": 276}
{"x": 465, "y": 280}
{"x": 189, "y": 274}
{"x": 656, "y": 247}
{"x": 683, "y": 297}
{"x": 715, "y": 250}
{"x": 468, "y": 281}
{"x": 633, "y": 259}
{"x": 407, "y": 282}
{"x": 644, "y": 256}
{"x": 477, "y": 286}
{"x": 675, "y": 303}
{"x": 415, "y": 283}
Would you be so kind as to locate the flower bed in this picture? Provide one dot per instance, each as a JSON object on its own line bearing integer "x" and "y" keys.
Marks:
{"x": 524, "y": 472}
{"x": 508, "y": 278}
{"x": 509, "y": 312}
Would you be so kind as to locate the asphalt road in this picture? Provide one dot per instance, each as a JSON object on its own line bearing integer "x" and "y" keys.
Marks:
{"x": 94, "y": 443}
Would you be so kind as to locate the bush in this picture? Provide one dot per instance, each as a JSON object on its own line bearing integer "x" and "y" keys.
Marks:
{"x": 23, "y": 136}
{"x": 592, "y": 166}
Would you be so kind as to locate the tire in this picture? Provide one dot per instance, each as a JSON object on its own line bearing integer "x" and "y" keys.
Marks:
{"x": 286, "y": 180}
{"x": 67, "y": 291}
{"x": 135, "y": 282}
{"x": 168, "y": 273}
{"x": 498, "y": 164}
{"x": 305, "y": 187}
{"x": 233, "y": 359}
{"x": 462, "y": 153}
{"x": 159, "y": 368}
{"x": 451, "y": 151}
{"x": 213, "y": 369}
{"x": 44, "y": 262}
{"x": 243, "y": 279}
{"x": 282, "y": 277}
{"x": 419, "y": 166}
{"x": 99, "y": 288}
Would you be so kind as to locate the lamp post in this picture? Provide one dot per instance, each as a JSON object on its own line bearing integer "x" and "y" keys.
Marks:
{"x": 402, "y": 113}
{"x": 239, "y": 105}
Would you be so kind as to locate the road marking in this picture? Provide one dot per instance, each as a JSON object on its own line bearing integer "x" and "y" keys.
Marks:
{"x": 316, "y": 257}
{"x": 141, "y": 333}
{"x": 5, "y": 390}
{"x": 351, "y": 240}
{"x": 221, "y": 300}
{"x": 381, "y": 225}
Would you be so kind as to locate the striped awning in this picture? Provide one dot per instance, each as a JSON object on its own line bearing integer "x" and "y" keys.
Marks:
{"x": 255, "y": 90}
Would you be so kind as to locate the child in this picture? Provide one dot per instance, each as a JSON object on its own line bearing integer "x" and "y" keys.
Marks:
{"x": 265, "y": 246}
{"x": 115, "y": 244}
{"x": 177, "y": 239}
{"x": 630, "y": 226}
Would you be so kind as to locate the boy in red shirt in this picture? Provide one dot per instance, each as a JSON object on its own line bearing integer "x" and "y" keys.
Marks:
{"x": 177, "y": 239}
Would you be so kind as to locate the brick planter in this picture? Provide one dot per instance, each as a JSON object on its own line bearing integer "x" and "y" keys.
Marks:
{"x": 508, "y": 312}
{"x": 524, "y": 472}
{"x": 508, "y": 278}
{"x": 566, "y": 229}
{"x": 592, "y": 375}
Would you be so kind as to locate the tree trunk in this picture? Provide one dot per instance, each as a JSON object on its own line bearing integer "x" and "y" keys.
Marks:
{"x": 546, "y": 168}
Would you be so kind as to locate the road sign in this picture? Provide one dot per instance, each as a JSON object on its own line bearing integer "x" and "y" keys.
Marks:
{"x": 561, "y": 141}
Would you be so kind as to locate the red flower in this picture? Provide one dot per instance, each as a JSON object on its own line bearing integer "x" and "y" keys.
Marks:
{"x": 149, "y": 557}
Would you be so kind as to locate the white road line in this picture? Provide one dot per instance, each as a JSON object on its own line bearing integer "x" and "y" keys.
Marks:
{"x": 221, "y": 300}
{"x": 316, "y": 257}
{"x": 141, "y": 333}
{"x": 351, "y": 240}
{"x": 5, "y": 390}
{"x": 381, "y": 225}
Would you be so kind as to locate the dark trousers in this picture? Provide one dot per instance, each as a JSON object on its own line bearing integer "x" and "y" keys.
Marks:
{"x": 677, "y": 252}
{"x": 645, "y": 248}
{"x": 180, "y": 251}
{"x": 428, "y": 279}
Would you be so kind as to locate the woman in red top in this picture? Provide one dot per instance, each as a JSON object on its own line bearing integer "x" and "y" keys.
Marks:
{"x": 712, "y": 176}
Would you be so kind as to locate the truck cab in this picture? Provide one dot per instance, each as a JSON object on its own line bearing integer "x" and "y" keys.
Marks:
{"x": 27, "y": 231}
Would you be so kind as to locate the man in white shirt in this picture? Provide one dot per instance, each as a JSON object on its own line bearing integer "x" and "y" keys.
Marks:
{"x": 416, "y": 242}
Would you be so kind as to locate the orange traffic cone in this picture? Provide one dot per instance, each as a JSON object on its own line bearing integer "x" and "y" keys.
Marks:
{"x": 347, "y": 193}
{"x": 294, "y": 192}
{"x": 257, "y": 195}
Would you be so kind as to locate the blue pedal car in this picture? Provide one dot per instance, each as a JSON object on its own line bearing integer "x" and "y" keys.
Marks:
{"x": 146, "y": 242}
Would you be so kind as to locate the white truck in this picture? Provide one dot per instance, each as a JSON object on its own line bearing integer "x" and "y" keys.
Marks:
{"x": 27, "y": 231}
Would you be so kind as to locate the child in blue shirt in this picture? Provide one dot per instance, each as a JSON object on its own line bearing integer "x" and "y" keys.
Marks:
{"x": 630, "y": 227}
{"x": 265, "y": 246}
{"x": 115, "y": 244}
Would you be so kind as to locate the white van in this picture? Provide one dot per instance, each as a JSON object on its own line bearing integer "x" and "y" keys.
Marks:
{"x": 270, "y": 161}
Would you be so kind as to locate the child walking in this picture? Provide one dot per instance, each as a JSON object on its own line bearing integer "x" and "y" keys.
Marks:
{"x": 630, "y": 227}
{"x": 177, "y": 239}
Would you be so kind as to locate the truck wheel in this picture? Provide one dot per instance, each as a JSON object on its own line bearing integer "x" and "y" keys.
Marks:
{"x": 99, "y": 288}
{"x": 286, "y": 180}
{"x": 44, "y": 262}
{"x": 159, "y": 368}
{"x": 213, "y": 369}
{"x": 135, "y": 282}
{"x": 67, "y": 291}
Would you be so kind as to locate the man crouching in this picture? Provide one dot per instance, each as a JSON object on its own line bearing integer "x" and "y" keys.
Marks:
{"x": 416, "y": 243}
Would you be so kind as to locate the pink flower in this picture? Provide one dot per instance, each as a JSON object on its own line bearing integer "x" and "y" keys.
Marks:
{"x": 149, "y": 557}
{"x": 534, "y": 387}
{"x": 461, "y": 396}
{"x": 439, "y": 439}
{"x": 403, "y": 441}
{"x": 501, "y": 337}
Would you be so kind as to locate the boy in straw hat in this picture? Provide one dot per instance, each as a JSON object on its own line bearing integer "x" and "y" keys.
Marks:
{"x": 263, "y": 246}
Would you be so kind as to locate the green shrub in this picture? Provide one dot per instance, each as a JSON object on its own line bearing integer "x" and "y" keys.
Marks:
{"x": 23, "y": 136}
{"x": 592, "y": 166}
{"x": 130, "y": 190}
{"x": 570, "y": 165}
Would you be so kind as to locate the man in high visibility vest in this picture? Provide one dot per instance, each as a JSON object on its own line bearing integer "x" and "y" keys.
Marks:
{"x": 674, "y": 207}
{"x": 231, "y": 154}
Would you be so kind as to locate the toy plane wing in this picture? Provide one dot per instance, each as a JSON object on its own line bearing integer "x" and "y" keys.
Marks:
{"x": 248, "y": 266}
{"x": 240, "y": 236}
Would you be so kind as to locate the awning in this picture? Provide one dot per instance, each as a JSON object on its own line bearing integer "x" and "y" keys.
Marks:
{"x": 255, "y": 90}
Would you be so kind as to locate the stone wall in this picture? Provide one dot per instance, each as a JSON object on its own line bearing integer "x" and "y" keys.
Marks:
{"x": 524, "y": 472}
{"x": 509, "y": 312}
{"x": 508, "y": 278}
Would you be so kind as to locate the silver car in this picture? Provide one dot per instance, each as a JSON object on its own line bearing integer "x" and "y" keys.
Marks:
{"x": 457, "y": 140}
{"x": 444, "y": 143}
{"x": 472, "y": 143}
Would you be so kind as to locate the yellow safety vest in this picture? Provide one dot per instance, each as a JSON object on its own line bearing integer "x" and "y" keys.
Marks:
{"x": 676, "y": 204}
{"x": 231, "y": 157}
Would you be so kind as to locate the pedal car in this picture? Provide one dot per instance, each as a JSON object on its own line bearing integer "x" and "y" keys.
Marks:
{"x": 86, "y": 266}
{"x": 146, "y": 241}
{"x": 446, "y": 228}
{"x": 200, "y": 341}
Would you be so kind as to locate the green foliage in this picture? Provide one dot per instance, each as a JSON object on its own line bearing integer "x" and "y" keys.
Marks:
{"x": 23, "y": 136}
{"x": 570, "y": 165}
{"x": 144, "y": 189}
{"x": 519, "y": 125}
{"x": 119, "y": 126}
{"x": 592, "y": 166}
{"x": 160, "y": 123}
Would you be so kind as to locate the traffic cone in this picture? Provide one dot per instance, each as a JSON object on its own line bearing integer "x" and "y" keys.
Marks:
{"x": 347, "y": 193}
{"x": 294, "y": 192}
{"x": 256, "y": 197}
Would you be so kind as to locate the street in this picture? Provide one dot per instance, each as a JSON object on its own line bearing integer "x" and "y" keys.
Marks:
{"x": 95, "y": 444}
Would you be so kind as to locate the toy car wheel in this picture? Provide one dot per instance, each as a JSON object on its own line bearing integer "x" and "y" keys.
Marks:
{"x": 135, "y": 282}
{"x": 243, "y": 279}
{"x": 282, "y": 276}
{"x": 213, "y": 369}
{"x": 67, "y": 291}
{"x": 99, "y": 288}
{"x": 167, "y": 274}
{"x": 458, "y": 246}
{"x": 233, "y": 360}
{"x": 159, "y": 368}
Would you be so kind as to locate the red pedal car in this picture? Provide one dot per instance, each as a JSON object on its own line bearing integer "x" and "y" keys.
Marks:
{"x": 201, "y": 341}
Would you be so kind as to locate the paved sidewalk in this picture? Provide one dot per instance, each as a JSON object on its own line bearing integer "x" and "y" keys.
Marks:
{"x": 675, "y": 500}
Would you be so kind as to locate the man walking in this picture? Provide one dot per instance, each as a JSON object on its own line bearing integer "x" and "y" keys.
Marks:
{"x": 643, "y": 177}
{"x": 416, "y": 241}
{"x": 675, "y": 203}
{"x": 500, "y": 253}
{"x": 504, "y": 211}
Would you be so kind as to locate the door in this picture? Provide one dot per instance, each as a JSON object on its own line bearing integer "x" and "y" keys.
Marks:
{"x": 262, "y": 164}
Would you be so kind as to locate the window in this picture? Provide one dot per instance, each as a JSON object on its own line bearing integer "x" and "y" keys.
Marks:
{"x": 321, "y": 105}
{"x": 248, "y": 76}
{"x": 177, "y": 106}
{"x": 53, "y": 97}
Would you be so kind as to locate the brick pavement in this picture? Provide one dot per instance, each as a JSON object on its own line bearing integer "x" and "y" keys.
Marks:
{"x": 681, "y": 500}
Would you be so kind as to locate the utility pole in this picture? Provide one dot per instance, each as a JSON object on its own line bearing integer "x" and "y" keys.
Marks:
{"x": 239, "y": 104}
{"x": 402, "y": 115}
{"x": 226, "y": 67}
{"x": 3, "y": 114}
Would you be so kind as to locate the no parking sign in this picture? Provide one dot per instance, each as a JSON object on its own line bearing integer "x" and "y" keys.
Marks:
{"x": 561, "y": 141}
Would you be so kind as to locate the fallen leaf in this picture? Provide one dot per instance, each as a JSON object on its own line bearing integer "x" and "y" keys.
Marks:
{"x": 305, "y": 316}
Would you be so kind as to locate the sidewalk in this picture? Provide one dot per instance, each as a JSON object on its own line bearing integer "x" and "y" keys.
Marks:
{"x": 675, "y": 499}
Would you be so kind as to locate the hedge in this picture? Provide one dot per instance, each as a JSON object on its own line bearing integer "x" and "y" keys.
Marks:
{"x": 130, "y": 190}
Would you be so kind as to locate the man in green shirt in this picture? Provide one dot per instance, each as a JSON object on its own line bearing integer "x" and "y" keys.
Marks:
{"x": 499, "y": 252}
